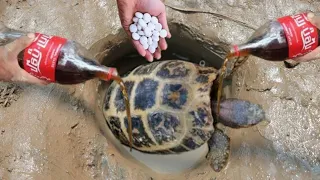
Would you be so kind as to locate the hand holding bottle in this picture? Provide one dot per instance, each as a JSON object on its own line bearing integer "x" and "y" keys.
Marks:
{"x": 41, "y": 59}
{"x": 9, "y": 67}
{"x": 293, "y": 37}
{"x": 315, "y": 54}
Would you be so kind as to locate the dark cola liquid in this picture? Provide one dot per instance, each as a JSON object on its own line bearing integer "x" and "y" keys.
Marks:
{"x": 72, "y": 67}
{"x": 272, "y": 45}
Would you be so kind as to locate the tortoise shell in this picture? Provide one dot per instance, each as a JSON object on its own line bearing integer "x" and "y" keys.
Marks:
{"x": 170, "y": 107}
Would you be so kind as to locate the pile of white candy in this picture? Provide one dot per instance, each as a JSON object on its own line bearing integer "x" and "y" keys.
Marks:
{"x": 147, "y": 30}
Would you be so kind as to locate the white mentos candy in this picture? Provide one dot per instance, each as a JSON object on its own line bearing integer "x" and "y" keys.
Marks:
{"x": 145, "y": 46}
{"x": 155, "y": 38}
{"x": 135, "y": 36}
{"x": 158, "y": 27}
{"x": 152, "y": 49}
{"x": 135, "y": 19}
{"x": 147, "y": 32}
{"x": 143, "y": 40}
{"x": 141, "y": 33}
{"x": 139, "y": 27}
{"x": 155, "y": 44}
{"x": 146, "y": 17}
{"x": 154, "y": 20}
{"x": 156, "y": 33}
{"x": 139, "y": 15}
{"x": 151, "y": 26}
{"x": 133, "y": 28}
{"x": 142, "y": 23}
{"x": 150, "y": 41}
{"x": 163, "y": 33}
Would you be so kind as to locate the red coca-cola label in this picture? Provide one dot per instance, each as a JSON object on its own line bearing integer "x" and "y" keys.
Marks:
{"x": 41, "y": 57}
{"x": 302, "y": 36}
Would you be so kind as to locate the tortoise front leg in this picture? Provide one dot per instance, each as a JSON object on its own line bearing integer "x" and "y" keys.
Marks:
{"x": 219, "y": 150}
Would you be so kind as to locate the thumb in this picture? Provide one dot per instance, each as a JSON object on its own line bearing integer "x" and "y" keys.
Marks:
{"x": 28, "y": 78}
{"x": 314, "y": 19}
{"x": 315, "y": 54}
{"x": 20, "y": 44}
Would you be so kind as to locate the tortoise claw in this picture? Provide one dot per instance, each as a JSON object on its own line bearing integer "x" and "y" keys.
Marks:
{"x": 237, "y": 113}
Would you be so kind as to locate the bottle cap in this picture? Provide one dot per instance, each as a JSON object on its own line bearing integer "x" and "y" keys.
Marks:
{"x": 112, "y": 73}
{"x": 236, "y": 51}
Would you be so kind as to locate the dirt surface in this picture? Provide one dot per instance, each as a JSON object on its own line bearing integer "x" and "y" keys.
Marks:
{"x": 54, "y": 132}
{"x": 8, "y": 94}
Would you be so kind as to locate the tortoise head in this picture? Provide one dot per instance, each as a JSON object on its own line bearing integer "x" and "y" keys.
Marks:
{"x": 237, "y": 113}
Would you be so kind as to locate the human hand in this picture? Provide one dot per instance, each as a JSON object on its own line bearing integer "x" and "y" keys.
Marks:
{"x": 315, "y": 54}
{"x": 9, "y": 66}
{"x": 127, "y": 10}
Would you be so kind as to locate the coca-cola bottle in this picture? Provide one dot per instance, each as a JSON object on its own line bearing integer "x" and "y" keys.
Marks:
{"x": 282, "y": 39}
{"x": 57, "y": 59}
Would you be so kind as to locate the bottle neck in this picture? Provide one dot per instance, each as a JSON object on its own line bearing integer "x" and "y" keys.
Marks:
{"x": 106, "y": 73}
{"x": 241, "y": 50}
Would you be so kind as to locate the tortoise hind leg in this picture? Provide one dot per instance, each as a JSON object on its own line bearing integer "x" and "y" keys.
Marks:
{"x": 219, "y": 150}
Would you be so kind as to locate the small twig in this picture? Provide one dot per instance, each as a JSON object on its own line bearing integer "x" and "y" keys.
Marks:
{"x": 192, "y": 10}
{"x": 9, "y": 96}
{"x": 3, "y": 92}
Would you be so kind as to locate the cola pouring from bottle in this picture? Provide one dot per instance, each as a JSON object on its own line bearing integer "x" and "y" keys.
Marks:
{"x": 287, "y": 37}
{"x": 278, "y": 40}
{"x": 57, "y": 59}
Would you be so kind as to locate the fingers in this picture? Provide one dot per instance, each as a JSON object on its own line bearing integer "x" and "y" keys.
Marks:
{"x": 163, "y": 21}
{"x": 157, "y": 54}
{"x": 20, "y": 44}
{"x": 139, "y": 48}
{"x": 163, "y": 44}
{"x": 315, "y": 54}
{"x": 314, "y": 19}
{"x": 149, "y": 56}
{"x": 28, "y": 78}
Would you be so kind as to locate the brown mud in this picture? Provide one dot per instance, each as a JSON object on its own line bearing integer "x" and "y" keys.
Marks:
{"x": 57, "y": 132}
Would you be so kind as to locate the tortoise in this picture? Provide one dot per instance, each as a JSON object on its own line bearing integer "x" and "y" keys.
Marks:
{"x": 172, "y": 111}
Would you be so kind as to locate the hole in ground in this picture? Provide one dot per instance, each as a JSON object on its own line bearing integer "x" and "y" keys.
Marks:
{"x": 185, "y": 44}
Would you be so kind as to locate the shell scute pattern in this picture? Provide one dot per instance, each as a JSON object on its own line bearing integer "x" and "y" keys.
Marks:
{"x": 107, "y": 102}
{"x": 201, "y": 118}
{"x": 146, "y": 69}
{"x": 202, "y": 79}
{"x": 118, "y": 102}
{"x": 116, "y": 129}
{"x": 145, "y": 94}
{"x": 204, "y": 135}
{"x": 164, "y": 126}
{"x": 174, "y": 69}
{"x": 166, "y": 107}
{"x": 139, "y": 135}
{"x": 174, "y": 96}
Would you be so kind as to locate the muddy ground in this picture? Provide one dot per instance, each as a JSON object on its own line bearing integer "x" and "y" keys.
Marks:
{"x": 55, "y": 132}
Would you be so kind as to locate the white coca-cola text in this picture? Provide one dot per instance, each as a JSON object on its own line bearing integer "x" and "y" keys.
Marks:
{"x": 36, "y": 55}
{"x": 307, "y": 37}
{"x": 307, "y": 33}
{"x": 300, "y": 19}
